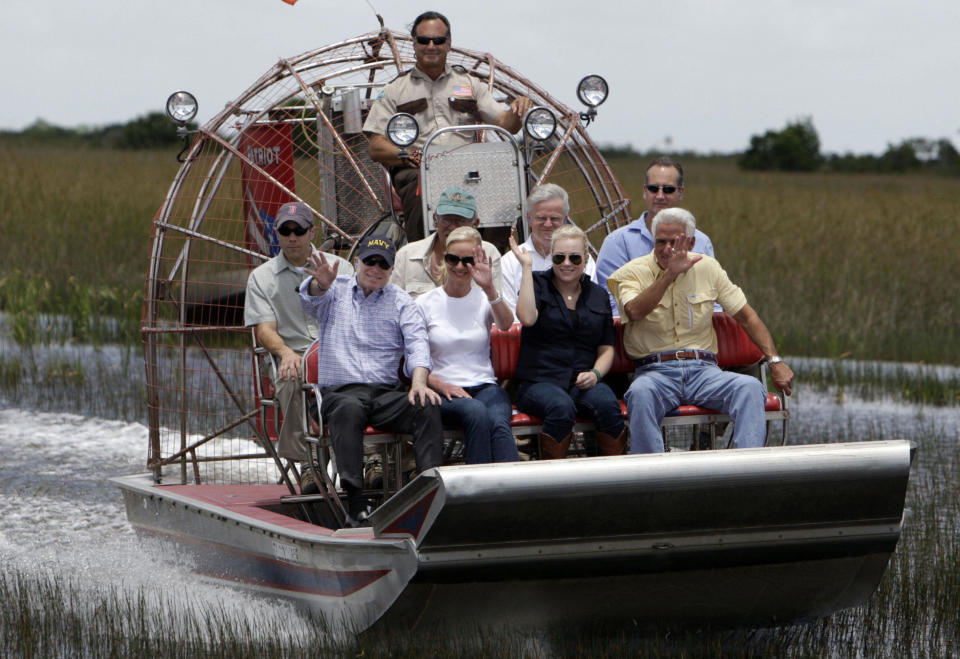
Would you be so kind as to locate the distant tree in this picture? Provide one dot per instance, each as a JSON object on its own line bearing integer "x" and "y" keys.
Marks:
{"x": 948, "y": 159}
{"x": 900, "y": 158}
{"x": 619, "y": 151}
{"x": 851, "y": 162}
{"x": 43, "y": 130}
{"x": 147, "y": 132}
{"x": 796, "y": 148}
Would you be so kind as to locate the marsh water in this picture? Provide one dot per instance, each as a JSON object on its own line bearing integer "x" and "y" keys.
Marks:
{"x": 71, "y": 417}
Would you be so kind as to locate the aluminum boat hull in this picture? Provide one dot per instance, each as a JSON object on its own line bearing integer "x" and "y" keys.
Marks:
{"x": 743, "y": 537}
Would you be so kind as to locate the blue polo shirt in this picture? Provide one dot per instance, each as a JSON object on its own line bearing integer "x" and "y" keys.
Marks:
{"x": 563, "y": 342}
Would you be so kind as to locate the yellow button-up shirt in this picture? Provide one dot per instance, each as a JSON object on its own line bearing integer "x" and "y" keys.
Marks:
{"x": 683, "y": 319}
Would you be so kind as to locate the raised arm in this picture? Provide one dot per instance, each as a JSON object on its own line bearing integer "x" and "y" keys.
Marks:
{"x": 678, "y": 262}
{"x": 482, "y": 274}
{"x": 322, "y": 273}
{"x": 527, "y": 312}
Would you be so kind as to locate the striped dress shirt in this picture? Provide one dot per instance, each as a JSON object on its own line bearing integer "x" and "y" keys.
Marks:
{"x": 363, "y": 337}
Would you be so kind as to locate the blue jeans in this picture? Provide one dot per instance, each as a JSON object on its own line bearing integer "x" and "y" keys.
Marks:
{"x": 485, "y": 419}
{"x": 659, "y": 388}
{"x": 559, "y": 407}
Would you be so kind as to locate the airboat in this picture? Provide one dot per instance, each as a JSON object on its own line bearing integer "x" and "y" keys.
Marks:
{"x": 743, "y": 537}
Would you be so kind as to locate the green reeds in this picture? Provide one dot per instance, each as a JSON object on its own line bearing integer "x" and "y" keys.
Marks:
{"x": 870, "y": 381}
{"x": 914, "y": 612}
{"x": 75, "y": 223}
{"x": 855, "y": 264}
{"x": 74, "y": 383}
{"x": 849, "y": 264}
{"x": 43, "y": 615}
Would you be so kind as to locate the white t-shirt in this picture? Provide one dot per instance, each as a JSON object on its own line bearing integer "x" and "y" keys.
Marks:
{"x": 459, "y": 332}
{"x": 512, "y": 271}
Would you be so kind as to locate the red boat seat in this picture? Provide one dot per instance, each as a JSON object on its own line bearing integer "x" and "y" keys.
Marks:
{"x": 734, "y": 350}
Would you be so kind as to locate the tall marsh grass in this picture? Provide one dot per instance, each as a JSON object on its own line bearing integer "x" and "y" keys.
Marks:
{"x": 75, "y": 227}
{"x": 837, "y": 265}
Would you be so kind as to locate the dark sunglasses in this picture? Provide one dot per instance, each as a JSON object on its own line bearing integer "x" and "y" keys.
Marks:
{"x": 575, "y": 259}
{"x": 667, "y": 189}
{"x": 439, "y": 41}
{"x": 453, "y": 259}
{"x": 373, "y": 260}
{"x": 286, "y": 230}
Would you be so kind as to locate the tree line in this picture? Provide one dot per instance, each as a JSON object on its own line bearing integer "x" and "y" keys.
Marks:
{"x": 796, "y": 148}
{"x": 150, "y": 131}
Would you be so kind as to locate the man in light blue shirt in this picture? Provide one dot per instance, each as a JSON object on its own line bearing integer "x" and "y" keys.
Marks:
{"x": 663, "y": 188}
{"x": 366, "y": 325}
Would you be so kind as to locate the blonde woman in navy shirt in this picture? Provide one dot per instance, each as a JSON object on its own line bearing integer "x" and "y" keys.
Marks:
{"x": 567, "y": 346}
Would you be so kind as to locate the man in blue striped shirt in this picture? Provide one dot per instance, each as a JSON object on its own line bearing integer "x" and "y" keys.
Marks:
{"x": 365, "y": 326}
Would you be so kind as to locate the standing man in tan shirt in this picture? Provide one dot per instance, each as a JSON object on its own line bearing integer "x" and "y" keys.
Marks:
{"x": 666, "y": 301}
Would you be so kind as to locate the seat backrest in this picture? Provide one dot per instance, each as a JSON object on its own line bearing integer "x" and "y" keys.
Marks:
{"x": 271, "y": 416}
{"x": 310, "y": 363}
{"x": 505, "y": 351}
{"x": 734, "y": 347}
{"x": 622, "y": 362}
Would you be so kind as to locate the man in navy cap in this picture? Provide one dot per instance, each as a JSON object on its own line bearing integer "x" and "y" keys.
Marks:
{"x": 272, "y": 307}
{"x": 367, "y": 325}
{"x": 418, "y": 264}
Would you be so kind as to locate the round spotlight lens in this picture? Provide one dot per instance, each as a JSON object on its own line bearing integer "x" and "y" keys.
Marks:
{"x": 403, "y": 129}
{"x": 540, "y": 124}
{"x": 181, "y": 107}
{"x": 592, "y": 90}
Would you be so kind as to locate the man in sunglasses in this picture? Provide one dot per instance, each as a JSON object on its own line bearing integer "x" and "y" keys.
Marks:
{"x": 666, "y": 302}
{"x": 272, "y": 307}
{"x": 547, "y": 208}
{"x": 663, "y": 188}
{"x": 438, "y": 95}
{"x": 367, "y": 326}
{"x": 418, "y": 263}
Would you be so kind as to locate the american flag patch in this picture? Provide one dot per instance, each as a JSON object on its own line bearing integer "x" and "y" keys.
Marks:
{"x": 463, "y": 91}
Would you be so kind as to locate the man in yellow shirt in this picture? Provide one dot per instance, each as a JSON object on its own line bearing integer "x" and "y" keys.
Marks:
{"x": 666, "y": 301}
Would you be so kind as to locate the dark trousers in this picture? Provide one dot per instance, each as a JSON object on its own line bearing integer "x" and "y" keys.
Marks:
{"x": 407, "y": 182}
{"x": 349, "y": 409}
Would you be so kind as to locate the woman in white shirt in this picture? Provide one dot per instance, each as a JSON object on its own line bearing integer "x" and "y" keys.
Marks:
{"x": 459, "y": 315}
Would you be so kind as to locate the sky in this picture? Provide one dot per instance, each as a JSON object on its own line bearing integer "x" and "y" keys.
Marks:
{"x": 692, "y": 75}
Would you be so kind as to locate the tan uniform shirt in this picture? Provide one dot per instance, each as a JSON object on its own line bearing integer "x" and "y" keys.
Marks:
{"x": 430, "y": 102}
{"x": 683, "y": 319}
{"x": 411, "y": 267}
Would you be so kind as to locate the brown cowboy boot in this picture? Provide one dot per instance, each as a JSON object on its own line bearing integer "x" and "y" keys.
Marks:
{"x": 551, "y": 449}
{"x": 608, "y": 445}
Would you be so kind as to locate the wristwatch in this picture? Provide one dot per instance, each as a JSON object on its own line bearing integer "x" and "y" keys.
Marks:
{"x": 774, "y": 360}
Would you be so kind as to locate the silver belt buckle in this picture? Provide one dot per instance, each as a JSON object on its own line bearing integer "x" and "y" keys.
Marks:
{"x": 679, "y": 356}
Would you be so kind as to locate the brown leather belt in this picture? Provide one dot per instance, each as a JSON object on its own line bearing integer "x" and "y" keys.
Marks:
{"x": 703, "y": 355}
